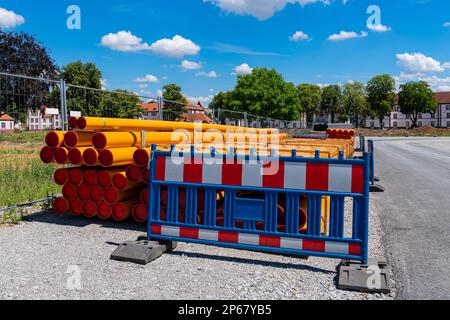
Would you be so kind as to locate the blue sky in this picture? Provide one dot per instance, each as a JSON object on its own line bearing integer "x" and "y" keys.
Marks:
{"x": 133, "y": 42}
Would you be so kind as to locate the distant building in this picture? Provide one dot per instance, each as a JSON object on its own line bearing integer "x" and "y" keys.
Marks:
{"x": 194, "y": 113}
{"x": 396, "y": 119}
{"x": 43, "y": 119}
{"x": 6, "y": 123}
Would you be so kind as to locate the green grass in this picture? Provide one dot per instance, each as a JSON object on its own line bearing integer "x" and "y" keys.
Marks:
{"x": 24, "y": 137}
{"x": 23, "y": 176}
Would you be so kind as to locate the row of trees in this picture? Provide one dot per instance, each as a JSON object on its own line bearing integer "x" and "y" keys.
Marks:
{"x": 265, "y": 93}
{"x": 23, "y": 54}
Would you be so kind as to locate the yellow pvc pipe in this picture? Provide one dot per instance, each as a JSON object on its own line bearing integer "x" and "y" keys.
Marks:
{"x": 95, "y": 124}
{"x": 116, "y": 156}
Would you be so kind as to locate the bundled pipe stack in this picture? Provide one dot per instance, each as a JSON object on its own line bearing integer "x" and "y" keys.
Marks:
{"x": 105, "y": 161}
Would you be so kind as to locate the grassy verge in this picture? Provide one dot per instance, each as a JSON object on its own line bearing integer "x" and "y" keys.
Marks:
{"x": 23, "y": 176}
{"x": 417, "y": 132}
{"x": 24, "y": 137}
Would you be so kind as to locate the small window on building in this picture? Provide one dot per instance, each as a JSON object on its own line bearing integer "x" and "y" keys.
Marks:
{"x": 448, "y": 124}
{"x": 447, "y": 107}
{"x": 395, "y": 124}
{"x": 448, "y": 115}
{"x": 3, "y": 125}
{"x": 432, "y": 123}
{"x": 395, "y": 116}
{"x": 420, "y": 116}
{"x": 419, "y": 123}
{"x": 372, "y": 124}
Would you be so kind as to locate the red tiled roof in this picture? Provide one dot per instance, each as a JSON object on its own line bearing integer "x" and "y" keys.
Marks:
{"x": 5, "y": 117}
{"x": 195, "y": 117}
{"x": 150, "y": 107}
{"x": 442, "y": 97}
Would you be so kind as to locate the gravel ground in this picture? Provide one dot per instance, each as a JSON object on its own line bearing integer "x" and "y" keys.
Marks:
{"x": 38, "y": 257}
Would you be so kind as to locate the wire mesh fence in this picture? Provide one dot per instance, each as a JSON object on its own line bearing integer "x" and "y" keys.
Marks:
{"x": 44, "y": 104}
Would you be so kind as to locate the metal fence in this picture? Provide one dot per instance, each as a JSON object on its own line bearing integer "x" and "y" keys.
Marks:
{"x": 26, "y": 98}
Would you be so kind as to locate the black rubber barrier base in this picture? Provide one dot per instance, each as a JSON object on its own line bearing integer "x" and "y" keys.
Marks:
{"x": 376, "y": 188}
{"x": 142, "y": 251}
{"x": 370, "y": 278}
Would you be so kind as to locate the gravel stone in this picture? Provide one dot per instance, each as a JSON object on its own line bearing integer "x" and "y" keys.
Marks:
{"x": 37, "y": 255}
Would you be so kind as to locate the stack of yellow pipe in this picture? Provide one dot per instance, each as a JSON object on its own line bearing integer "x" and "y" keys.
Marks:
{"x": 109, "y": 157}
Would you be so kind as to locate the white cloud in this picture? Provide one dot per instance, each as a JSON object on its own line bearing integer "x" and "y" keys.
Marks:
{"x": 143, "y": 85}
{"x": 124, "y": 41}
{"x": 211, "y": 74}
{"x": 378, "y": 28}
{"x": 10, "y": 19}
{"x": 177, "y": 47}
{"x": 242, "y": 69}
{"x": 165, "y": 78}
{"x": 419, "y": 63}
{"x": 159, "y": 93}
{"x": 436, "y": 83}
{"x": 261, "y": 9}
{"x": 446, "y": 24}
{"x": 147, "y": 78}
{"x": 211, "y": 90}
{"x": 299, "y": 36}
{"x": 191, "y": 65}
{"x": 345, "y": 35}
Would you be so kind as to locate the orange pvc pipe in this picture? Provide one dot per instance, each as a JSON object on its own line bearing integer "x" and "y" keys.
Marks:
{"x": 96, "y": 194}
{"x": 83, "y": 192}
{"x": 140, "y": 213}
{"x": 123, "y": 210}
{"x": 60, "y": 205}
{"x": 76, "y": 207}
{"x": 113, "y": 196}
{"x": 121, "y": 183}
{"x": 104, "y": 210}
{"x": 90, "y": 157}
{"x": 75, "y": 156}
{"x": 104, "y": 177}
{"x": 134, "y": 173}
{"x": 144, "y": 197}
{"x": 76, "y": 176}
{"x": 89, "y": 209}
{"x": 61, "y": 155}
{"x": 54, "y": 139}
{"x": 112, "y": 124}
{"x": 116, "y": 156}
{"x": 73, "y": 122}
{"x": 47, "y": 155}
{"x": 78, "y": 139}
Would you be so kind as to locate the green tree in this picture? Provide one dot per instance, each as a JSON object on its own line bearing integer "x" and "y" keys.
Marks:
{"x": 380, "y": 96}
{"x": 414, "y": 98}
{"x": 79, "y": 99}
{"x": 265, "y": 93}
{"x": 121, "y": 104}
{"x": 174, "y": 102}
{"x": 310, "y": 99}
{"x": 23, "y": 54}
{"x": 332, "y": 101}
{"x": 355, "y": 101}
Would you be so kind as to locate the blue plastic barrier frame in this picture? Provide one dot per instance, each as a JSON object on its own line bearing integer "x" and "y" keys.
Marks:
{"x": 371, "y": 150}
{"x": 360, "y": 224}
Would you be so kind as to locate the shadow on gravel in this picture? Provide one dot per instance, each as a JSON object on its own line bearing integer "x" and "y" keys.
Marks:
{"x": 81, "y": 222}
{"x": 264, "y": 263}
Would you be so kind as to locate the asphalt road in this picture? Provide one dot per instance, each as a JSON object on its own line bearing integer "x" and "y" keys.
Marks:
{"x": 415, "y": 213}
